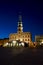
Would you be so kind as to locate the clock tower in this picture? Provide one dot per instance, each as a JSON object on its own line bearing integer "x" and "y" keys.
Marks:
{"x": 20, "y": 25}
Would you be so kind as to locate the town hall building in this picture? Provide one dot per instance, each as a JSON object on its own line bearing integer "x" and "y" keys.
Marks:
{"x": 20, "y": 35}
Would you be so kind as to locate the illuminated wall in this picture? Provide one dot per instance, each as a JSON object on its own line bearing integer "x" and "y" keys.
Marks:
{"x": 39, "y": 38}
{"x": 24, "y": 36}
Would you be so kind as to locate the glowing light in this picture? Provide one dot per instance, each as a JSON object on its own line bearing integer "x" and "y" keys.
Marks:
{"x": 20, "y": 39}
{"x": 22, "y": 44}
{"x": 41, "y": 43}
{"x": 16, "y": 39}
{"x": 5, "y": 44}
{"x": 19, "y": 44}
{"x": 13, "y": 41}
{"x": 11, "y": 44}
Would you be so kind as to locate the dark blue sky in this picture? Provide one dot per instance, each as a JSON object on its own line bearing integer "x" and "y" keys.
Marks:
{"x": 32, "y": 16}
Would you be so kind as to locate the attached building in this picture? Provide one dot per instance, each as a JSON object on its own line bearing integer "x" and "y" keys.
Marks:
{"x": 39, "y": 39}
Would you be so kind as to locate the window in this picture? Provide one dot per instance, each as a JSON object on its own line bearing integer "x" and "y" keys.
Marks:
{"x": 25, "y": 39}
{"x": 23, "y": 36}
{"x": 28, "y": 35}
{"x": 28, "y": 39}
{"x": 19, "y": 25}
{"x": 15, "y": 37}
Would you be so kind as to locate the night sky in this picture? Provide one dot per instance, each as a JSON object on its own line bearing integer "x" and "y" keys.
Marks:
{"x": 32, "y": 16}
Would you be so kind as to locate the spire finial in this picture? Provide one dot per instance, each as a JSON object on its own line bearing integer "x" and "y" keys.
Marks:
{"x": 20, "y": 17}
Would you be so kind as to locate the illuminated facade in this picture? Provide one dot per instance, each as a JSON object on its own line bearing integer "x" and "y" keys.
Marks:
{"x": 20, "y": 35}
{"x": 39, "y": 38}
{"x": 3, "y": 41}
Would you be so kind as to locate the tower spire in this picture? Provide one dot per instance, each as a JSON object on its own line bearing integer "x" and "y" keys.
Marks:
{"x": 20, "y": 25}
{"x": 20, "y": 18}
